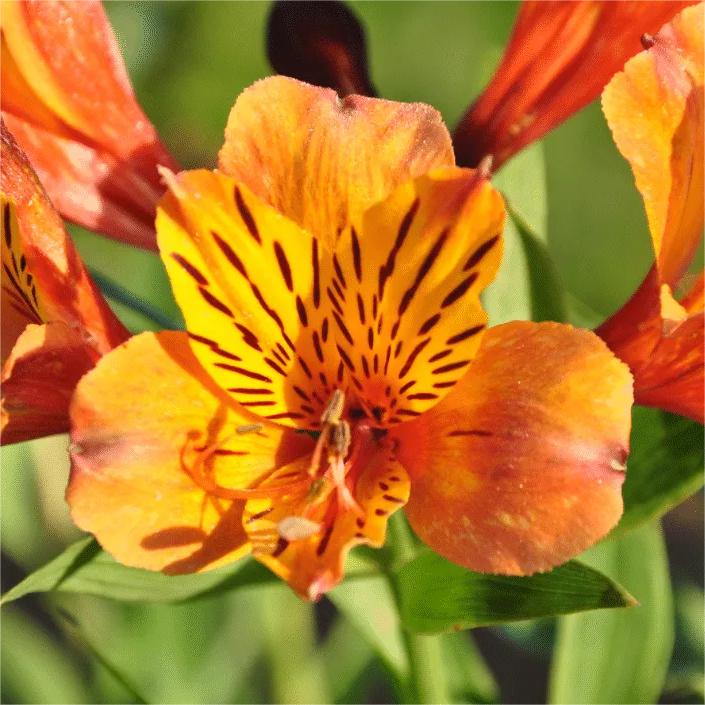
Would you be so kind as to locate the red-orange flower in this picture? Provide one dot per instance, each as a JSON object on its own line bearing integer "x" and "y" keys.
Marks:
{"x": 655, "y": 111}
{"x": 559, "y": 58}
{"x": 55, "y": 324}
{"x": 336, "y": 366}
{"x": 67, "y": 99}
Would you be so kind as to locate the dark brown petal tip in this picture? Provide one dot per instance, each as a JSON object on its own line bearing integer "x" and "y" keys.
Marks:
{"x": 320, "y": 42}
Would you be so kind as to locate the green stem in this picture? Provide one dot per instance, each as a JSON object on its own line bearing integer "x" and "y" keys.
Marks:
{"x": 426, "y": 668}
{"x": 124, "y": 296}
{"x": 297, "y": 674}
{"x": 427, "y": 673}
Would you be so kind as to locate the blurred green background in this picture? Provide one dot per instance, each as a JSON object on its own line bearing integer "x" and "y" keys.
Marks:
{"x": 188, "y": 62}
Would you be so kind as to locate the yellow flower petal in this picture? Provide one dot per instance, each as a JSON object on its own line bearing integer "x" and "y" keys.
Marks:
{"x": 407, "y": 313}
{"x": 252, "y": 287}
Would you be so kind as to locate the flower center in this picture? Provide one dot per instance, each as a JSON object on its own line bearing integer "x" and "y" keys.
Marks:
{"x": 337, "y": 458}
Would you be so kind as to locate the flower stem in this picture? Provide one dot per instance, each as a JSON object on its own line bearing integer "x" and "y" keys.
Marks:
{"x": 427, "y": 676}
{"x": 426, "y": 668}
{"x": 289, "y": 634}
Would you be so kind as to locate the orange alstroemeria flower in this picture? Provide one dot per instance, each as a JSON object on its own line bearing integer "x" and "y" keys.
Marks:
{"x": 655, "y": 111}
{"x": 55, "y": 324}
{"x": 67, "y": 99}
{"x": 337, "y": 367}
{"x": 559, "y": 58}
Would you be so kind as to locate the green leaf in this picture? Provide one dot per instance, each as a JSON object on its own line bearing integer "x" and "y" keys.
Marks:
{"x": 100, "y": 658}
{"x": 665, "y": 465}
{"x": 522, "y": 181}
{"x": 619, "y": 656}
{"x": 369, "y": 605}
{"x": 295, "y": 666}
{"x": 84, "y": 568}
{"x": 527, "y": 286}
{"x": 37, "y": 665}
{"x": 469, "y": 678}
{"x": 546, "y": 290}
{"x": 437, "y": 595}
{"x": 47, "y": 577}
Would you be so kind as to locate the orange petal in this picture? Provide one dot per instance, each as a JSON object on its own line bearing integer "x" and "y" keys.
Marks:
{"x": 664, "y": 352}
{"x": 250, "y": 284}
{"x": 559, "y": 58}
{"x": 140, "y": 422}
{"x": 519, "y": 468}
{"x": 319, "y": 533}
{"x": 320, "y": 43}
{"x": 322, "y": 161}
{"x": 22, "y": 304}
{"x": 673, "y": 379}
{"x": 408, "y": 279}
{"x": 655, "y": 111}
{"x": 67, "y": 98}
{"x": 43, "y": 281}
{"x": 38, "y": 379}
{"x": 38, "y": 238}
{"x": 89, "y": 186}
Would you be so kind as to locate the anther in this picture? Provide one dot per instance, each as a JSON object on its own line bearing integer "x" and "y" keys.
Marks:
{"x": 249, "y": 428}
{"x": 340, "y": 437}
{"x": 295, "y": 528}
{"x": 334, "y": 409}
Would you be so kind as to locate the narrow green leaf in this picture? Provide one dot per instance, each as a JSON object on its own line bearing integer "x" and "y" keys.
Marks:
{"x": 347, "y": 677}
{"x": 295, "y": 666}
{"x": 47, "y": 577}
{"x": 665, "y": 465}
{"x": 469, "y": 678}
{"x": 546, "y": 290}
{"x": 84, "y": 568}
{"x": 109, "y": 667}
{"x": 522, "y": 181}
{"x": 127, "y": 298}
{"x": 437, "y": 595}
{"x": 38, "y": 666}
{"x": 369, "y": 605}
{"x": 527, "y": 286}
{"x": 619, "y": 656}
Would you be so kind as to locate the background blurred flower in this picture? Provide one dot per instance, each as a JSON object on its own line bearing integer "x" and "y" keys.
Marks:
{"x": 55, "y": 324}
{"x": 558, "y": 59}
{"x": 655, "y": 111}
{"x": 67, "y": 98}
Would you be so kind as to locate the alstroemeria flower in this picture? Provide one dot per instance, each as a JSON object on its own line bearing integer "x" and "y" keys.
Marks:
{"x": 336, "y": 366}
{"x": 559, "y": 58}
{"x": 67, "y": 99}
{"x": 55, "y": 324}
{"x": 655, "y": 111}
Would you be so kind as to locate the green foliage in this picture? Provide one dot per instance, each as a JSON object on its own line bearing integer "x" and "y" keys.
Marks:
{"x": 576, "y": 246}
{"x": 84, "y": 569}
{"x": 664, "y": 467}
{"x": 619, "y": 656}
{"x": 437, "y": 595}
